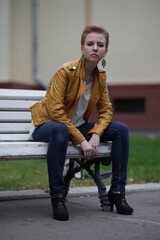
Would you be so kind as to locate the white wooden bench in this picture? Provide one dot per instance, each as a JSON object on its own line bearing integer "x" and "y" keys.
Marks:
{"x": 15, "y": 119}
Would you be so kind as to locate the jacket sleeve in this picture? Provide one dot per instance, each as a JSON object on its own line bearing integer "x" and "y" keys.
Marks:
{"x": 55, "y": 98}
{"x": 105, "y": 110}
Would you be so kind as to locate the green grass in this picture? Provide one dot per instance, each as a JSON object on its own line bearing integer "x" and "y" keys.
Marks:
{"x": 144, "y": 161}
{"x": 143, "y": 167}
{"x": 27, "y": 174}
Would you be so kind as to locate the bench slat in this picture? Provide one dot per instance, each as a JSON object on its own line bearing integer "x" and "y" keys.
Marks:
{"x": 14, "y": 127}
{"x": 38, "y": 150}
{"x": 14, "y": 137}
{"x": 15, "y": 117}
{"x": 19, "y": 94}
{"x": 23, "y": 105}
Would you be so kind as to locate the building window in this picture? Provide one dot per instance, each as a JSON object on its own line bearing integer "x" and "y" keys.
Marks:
{"x": 129, "y": 105}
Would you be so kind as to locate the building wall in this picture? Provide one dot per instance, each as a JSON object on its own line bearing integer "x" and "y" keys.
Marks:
{"x": 60, "y": 24}
{"x": 134, "y": 49}
{"x": 134, "y": 27}
{"x": 140, "y": 105}
{"x": 132, "y": 61}
{"x": 21, "y": 45}
{"x": 135, "y": 105}
{"x": 4, "y": 40}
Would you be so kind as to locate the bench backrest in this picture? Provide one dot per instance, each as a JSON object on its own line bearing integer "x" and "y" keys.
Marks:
{"x": 15, "y": 116}
{"x": 15, "y": 123}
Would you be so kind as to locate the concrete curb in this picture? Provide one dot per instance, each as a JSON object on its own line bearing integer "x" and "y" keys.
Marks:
{"x": 77, "y": 191}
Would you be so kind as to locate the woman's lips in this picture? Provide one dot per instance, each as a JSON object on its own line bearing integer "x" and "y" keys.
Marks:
{"x": 94, "y": 55}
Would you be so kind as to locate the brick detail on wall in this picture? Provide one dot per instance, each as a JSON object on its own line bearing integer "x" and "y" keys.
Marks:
{"x": 149, "y": 119}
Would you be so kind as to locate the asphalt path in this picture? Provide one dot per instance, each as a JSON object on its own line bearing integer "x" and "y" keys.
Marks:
{"x": 32, "y": 219}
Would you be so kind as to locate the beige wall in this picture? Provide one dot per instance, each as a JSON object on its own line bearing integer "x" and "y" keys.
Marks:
{"x": 134, "y": 50}
{"x": 60, "y": 25}
{"x": 21, "y": 41}
{"x": 4, "y": 40}
{"x": 134, "y": 27}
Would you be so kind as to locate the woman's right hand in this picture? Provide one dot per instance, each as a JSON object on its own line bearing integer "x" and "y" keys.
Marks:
{"x": 87, "y": 149}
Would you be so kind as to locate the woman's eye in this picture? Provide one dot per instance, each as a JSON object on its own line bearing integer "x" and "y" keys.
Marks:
{"x": 90, "y": 44}
{"x": 100, "y": 44}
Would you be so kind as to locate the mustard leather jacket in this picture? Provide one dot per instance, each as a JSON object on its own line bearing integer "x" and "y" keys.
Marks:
{"x": 62, "y": 95}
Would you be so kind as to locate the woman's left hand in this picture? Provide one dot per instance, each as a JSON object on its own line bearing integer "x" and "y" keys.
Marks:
{"x": 94, "y": 141}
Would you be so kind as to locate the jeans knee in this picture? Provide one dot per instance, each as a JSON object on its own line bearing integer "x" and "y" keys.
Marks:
{"x": 120, "y": 129}
{"x": 60, "y": 133}
{"x": 125, "y": 130}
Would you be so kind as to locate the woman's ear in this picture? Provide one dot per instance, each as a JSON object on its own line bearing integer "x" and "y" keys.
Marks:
{"x": 106, "y": 51}
{"x": 82, "y": 49}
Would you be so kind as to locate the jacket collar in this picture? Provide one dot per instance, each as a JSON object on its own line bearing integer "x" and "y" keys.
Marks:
{"x": 79, "y": 67}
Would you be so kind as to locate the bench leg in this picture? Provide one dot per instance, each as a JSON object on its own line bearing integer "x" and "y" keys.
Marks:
{"x": 105, "y": 204}
{"x": 95, "y": 174}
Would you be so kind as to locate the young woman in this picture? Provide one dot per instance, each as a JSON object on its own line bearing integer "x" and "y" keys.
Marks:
{"x": 62, "y": 115}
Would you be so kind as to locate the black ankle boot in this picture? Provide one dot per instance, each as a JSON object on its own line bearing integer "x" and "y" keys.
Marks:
{"x": 60, "y": 211}
{"x": 120, "y": 202}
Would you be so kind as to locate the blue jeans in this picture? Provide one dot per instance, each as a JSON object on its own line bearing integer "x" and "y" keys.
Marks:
{"x": 57, "y": 136}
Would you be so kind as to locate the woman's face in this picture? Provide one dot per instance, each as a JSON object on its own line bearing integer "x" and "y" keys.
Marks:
{"x": 94, "y": 47}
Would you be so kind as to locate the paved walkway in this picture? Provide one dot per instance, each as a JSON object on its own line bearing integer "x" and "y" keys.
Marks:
{"x": 77, "y": 191}
{"x": 31, "y": 218}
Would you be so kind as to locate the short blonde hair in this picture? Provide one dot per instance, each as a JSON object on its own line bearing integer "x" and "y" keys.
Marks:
{"x": 94, "y": 28}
